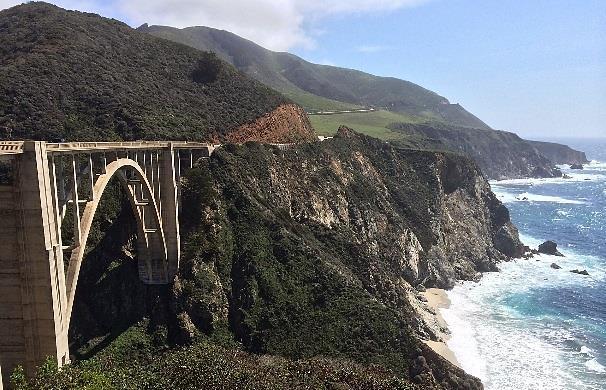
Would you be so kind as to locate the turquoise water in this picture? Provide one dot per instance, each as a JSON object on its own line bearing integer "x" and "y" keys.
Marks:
{"x": 531, "y": 326}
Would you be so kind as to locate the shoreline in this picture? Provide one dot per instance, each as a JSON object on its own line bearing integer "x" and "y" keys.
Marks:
{"x": 438, "y": 299}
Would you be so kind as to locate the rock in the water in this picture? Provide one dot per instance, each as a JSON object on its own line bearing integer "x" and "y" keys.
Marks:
{"x": 555, "y": 266}
{"x": 549, "y": 248}
{"x": 576, "y": 166}
{"x": 565, "y": 176}
{"x": 580, "y": 272}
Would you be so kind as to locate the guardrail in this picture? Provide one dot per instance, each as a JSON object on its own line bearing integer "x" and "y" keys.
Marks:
{"x": 16, "y": 147}
{"x": 11, "y": 147}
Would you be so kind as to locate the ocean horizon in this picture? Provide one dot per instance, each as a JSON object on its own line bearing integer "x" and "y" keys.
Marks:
{"x": 531, "y": 326}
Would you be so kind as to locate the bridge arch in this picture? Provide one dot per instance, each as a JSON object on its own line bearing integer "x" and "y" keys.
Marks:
{"x": 151, "y": 241}
{"x": 46, "y": 178}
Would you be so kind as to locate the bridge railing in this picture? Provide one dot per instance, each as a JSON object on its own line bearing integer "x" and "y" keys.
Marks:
{"x": 16, "y": 147}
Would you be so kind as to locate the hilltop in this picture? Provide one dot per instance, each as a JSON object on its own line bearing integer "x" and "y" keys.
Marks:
{"x": 77, "y": 76}
{"x": 320, "y": 87}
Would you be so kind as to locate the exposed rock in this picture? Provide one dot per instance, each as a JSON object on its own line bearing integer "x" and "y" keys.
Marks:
{"x": 555, "y": 266}
{"x": 550, "y": 248}
{"x": 500, "y": 154}
{"x": 420, "y": 288}
{"x": 580, "y": 272}
{"x": 576, "y": 166}
{"x": 342, "y": 230}
{"x": 559, "y": 154}
{"x": 286, "y": 124}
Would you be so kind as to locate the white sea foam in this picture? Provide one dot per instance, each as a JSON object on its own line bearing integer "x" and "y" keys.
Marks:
{"x": 574, "y": 176}
{"x": 507, "y": 197}
{"x": 596, "y": 165}
{"x": 594, "y": 365}
{"x": 505, "y": 348}
{"x": 586, "y": 351}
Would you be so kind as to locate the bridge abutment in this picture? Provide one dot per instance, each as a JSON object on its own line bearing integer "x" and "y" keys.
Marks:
{"x": 33, "y": 299}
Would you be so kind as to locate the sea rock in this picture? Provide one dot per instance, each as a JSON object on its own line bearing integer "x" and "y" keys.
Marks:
{"x": 555, "y": 266}
{"x": 549, "y": 248}
{"x": 565, "y": 176}
{"x": 576, "y": 166}
{"x": 580, "y": 272}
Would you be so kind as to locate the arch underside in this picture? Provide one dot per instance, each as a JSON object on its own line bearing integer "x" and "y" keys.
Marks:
{"x": 151, "y": 241}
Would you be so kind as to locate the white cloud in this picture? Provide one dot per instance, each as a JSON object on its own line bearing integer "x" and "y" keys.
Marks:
{"x": 275, "y": 24}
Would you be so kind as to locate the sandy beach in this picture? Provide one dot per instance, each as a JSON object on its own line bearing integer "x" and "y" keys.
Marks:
{"x": 436, "y": 300}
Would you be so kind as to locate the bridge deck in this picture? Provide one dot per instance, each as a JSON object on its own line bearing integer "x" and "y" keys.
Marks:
{"x": 16, "y": 147}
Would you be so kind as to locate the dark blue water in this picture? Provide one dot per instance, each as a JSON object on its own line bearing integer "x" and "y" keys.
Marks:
{"x": 531, "y": 326}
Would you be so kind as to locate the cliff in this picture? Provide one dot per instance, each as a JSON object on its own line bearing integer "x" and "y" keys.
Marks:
{"x": 314, "y": 250}
{"x": 500, "y": 154}
{"x": 297, "y": 259}
{"x": 68, "y": 75}
{"x": 560, "y": 154}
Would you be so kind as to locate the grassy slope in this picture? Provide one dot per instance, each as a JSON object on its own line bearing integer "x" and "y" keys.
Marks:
{"x": 373, "y": 123}
{"x": 77, "y": 76}
{"x": 376, "y": 124}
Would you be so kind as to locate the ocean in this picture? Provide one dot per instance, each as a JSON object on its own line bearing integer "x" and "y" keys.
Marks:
{"x": 530, "y": 326}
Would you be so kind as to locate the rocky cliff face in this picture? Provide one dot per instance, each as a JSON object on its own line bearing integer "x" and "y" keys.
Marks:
{"x": 314, "y": 250}
{"x": 560, "y": 154}
{"x": 500, "y": 154}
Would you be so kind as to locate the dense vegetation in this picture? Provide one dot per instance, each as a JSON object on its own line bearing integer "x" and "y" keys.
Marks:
{"x": 135, "y": 360}
{"x": 76, "y": 76}
{"x": 319, "y": 87}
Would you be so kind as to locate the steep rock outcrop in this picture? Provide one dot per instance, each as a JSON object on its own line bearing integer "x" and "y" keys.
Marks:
{"x": 500, "y": 154}
{"x": 560, "y": 154}
{"x": 316, "y": 249}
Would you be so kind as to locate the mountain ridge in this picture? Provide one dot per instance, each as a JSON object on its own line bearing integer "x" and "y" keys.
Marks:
{"x": 398, "y": 104}
{"x": 294, "y": 76}
{"x": 69, "y": 75}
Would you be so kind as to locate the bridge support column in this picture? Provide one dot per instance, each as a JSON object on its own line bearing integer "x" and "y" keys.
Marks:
{"x": 32, "y": 282}
{"x": 170, "y": 208}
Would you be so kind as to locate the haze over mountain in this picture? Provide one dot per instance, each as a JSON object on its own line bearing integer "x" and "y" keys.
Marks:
{"x": 406, "y": 113}
{"x": 304, "y": 82}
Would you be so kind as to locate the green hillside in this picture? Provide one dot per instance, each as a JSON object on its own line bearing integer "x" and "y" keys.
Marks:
{"x": 77, "y": 76}
{"x": 318, "y": 87}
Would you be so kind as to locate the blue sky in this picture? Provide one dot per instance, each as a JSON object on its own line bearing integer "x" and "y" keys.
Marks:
{"x": 535, "y": 67}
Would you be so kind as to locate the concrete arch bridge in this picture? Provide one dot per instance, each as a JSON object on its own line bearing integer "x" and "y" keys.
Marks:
{"x": 48, "y": 181}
